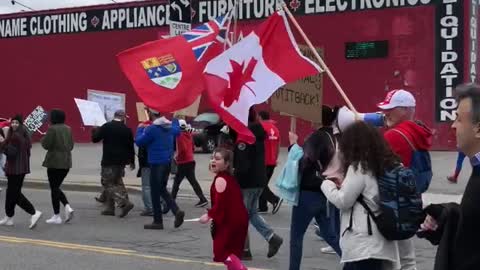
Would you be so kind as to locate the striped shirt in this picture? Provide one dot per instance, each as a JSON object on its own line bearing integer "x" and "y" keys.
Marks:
{"x": 475, "y": 160}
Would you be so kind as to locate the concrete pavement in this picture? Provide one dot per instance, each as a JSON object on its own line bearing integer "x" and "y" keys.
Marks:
{"x": 186, "y": 248}
{"x": 92, "y": 241}
{"x": 85, "y": 174}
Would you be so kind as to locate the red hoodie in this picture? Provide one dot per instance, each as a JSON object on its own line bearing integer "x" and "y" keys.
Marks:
{"x": 272, "y": 142}
{"x": 418, "y": 134}
{"x": 184, "y": 148}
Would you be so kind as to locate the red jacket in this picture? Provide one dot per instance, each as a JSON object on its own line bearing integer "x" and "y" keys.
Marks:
{"x": 418, "y": 134}
{"x": 185, "y": 148}
{"x": 272, "y": 142}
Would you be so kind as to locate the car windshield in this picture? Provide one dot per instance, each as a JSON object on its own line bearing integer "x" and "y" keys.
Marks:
{"x": 212, "y": 118}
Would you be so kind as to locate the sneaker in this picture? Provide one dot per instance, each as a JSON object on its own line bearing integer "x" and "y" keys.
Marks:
{"x": 276, "y": 206}
{"x": 452, "y": 179}
{"x": 100, "y": 199}
{"x": 317, "y": 232}
{"x": 6, "y": 221}
{"x": 153, "y": 226}
{"x": 201, "y": 203}
{"x": 125, "y": 209}
{"x": 34, "y": 219}
{"x": 55, "y": 219}
{"x": 328, "y": 250}
{"x": 262, "y": 211}
{"x": 146, "y": 213}
{"x": 274, "y": 245}
{"x": 233, "y": 262}
{"x": 179, "y": 216}
{"x": 108, "y": 212}
{"x": 68, "y": 213}
{"x": 247, "y": 255}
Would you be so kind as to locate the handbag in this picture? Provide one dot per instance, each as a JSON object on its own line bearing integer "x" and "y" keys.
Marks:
{"x": 11, "y": 151}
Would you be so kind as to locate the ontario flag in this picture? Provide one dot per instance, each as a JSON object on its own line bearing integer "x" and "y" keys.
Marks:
{"x": 167, "y": 73}
{"x": 250, "y": 71}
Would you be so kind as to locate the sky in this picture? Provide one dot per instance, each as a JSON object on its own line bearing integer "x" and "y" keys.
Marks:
{"x": 7, "y": 7}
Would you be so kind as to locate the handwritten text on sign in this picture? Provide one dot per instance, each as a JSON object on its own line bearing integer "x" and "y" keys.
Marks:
{"x": 36, "y": 119}
{"x": 302, "y": 98}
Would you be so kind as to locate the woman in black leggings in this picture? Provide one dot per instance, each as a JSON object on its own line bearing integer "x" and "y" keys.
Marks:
{"x": 16, "y": 146}
{"x": 59, "y": 145}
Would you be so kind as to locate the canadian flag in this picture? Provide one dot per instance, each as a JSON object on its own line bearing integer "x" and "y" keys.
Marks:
{"x": 249, "y": 72}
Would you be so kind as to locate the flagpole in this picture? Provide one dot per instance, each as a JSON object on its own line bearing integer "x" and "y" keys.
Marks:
{"x": 319, "y": 59}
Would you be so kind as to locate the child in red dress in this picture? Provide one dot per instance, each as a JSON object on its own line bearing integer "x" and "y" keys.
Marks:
{"x": 228, "y": 215}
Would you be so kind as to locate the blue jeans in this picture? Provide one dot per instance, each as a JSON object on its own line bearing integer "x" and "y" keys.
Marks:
{"x": 461, "y": 156}
{"x": 250, "y": 198}
{"x": 370, "y": 264}
{"x": 311, "y": 205}
{"x": 146, "y": 191}
{"x": 159, "y": 174}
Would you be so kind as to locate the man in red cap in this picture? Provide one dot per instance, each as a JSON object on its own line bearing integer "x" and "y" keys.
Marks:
{"x": 405, "y": 135}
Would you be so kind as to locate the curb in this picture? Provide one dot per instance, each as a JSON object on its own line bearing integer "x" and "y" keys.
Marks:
{"x": 80, "y": 187}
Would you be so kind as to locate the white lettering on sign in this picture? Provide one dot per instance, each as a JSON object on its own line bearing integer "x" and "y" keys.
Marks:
{"x": 450, "y": 66}
{"x": 78, "y": 22}
{"x": 248, "y": 9}
{"x": 158, "y": 15}
{"x": 473, "y": 40}
{"x": 331, "y": 6}
{"x": 36, "y": 119}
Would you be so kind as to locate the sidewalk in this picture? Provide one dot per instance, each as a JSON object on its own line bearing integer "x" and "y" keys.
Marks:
{"x": 85, "y": 174}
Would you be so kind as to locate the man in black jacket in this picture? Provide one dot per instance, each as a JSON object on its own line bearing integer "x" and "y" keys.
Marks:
{"x": 118, "y": 151}
{"x": 250, "y": 172}
{"x": 455, "y": 227}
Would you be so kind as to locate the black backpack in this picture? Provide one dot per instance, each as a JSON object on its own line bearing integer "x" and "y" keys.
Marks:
{"x": 401, "y": 211}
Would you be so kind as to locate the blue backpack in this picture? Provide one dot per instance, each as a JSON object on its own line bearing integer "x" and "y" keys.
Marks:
{"x": 421, "y": 165}
{"x": 401, "y": 211}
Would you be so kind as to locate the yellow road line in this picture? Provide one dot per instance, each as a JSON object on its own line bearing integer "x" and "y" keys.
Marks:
{"x": 105, "y": 250}
{"x": 60, "y": 244}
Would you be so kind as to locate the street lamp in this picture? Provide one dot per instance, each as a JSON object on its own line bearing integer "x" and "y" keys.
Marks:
{"x": 16, "y": 2}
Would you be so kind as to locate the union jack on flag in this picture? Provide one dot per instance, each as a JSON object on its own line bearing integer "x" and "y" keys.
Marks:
{"x": 167, "y": 73}
{"x": 204, "y": 36}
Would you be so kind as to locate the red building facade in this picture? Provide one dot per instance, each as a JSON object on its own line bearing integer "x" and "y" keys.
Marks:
{"x": 50, "y": 57}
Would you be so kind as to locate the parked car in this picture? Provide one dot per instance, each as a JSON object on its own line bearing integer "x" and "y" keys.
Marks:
{"x": 206, "y": 131}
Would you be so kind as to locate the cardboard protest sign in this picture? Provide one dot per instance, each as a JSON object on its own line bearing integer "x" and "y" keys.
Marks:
{"x": 191, "y": 110}
{"x": 109, "y": 101}
{"x": 36, "y": 119}
{"x": 302, "y": 98}
{"x": 92, "y": 114}
{"x": 141, "y": 112}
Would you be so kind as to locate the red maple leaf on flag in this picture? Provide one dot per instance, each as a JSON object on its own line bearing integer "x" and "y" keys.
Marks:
{"x": 238, "y": 79}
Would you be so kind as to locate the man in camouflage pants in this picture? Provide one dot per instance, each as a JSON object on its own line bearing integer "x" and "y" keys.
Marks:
{"x": 118, "y": 151}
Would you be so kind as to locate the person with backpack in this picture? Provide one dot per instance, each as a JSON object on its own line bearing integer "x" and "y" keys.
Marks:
{"x": 411, "y": 140}
{"x": 366, "y": 157}
{"x": 318, "y": 150}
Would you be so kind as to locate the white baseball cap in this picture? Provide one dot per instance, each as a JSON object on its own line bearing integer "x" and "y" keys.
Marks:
{"x": 397, "y": 98}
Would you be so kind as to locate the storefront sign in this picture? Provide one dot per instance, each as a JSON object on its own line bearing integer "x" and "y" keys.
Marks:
{"x": 449, "y": 57}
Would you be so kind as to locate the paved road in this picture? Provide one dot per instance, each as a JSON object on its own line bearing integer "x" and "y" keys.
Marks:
{"x": 86, "y": 170}
{"x": 96, "y": 242}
